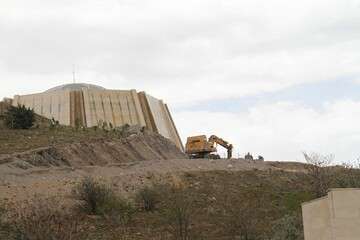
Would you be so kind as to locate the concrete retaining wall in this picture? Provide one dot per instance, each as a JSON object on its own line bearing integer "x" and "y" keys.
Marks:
{"x": 92, "y": 107}
{"x": 334, "y": 217}
{"x": 50, "y": 105}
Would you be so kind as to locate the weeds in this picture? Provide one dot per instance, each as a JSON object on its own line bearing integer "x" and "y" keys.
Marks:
{"x": 147, "y": 198}
{"x": 288, "y": 227}
{"x": 92, "y": 195}
{"x": 179, "y": 215}
{"x": 117, "y": 210}
{"x": 44, "y": 219}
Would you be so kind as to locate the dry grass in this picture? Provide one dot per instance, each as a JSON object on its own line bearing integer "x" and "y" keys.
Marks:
{"x": 44, "y": 219}
{"x": 22, "y": 140}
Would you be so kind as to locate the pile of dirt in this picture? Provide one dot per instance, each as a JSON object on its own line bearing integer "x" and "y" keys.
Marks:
{"x": 142, "y": 146}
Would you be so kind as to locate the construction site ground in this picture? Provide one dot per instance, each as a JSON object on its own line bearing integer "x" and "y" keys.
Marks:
{"x": 48, "y": 162}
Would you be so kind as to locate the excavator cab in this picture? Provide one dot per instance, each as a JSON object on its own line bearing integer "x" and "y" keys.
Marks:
{"x": 201, "y": 147}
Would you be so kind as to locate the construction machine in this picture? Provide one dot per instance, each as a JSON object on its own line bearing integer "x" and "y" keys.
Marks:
{"x": 201, "y": 147}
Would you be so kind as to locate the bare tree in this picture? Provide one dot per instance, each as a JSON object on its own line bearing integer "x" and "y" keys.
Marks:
{"x": 179, "y": 216}
{"x": 319, "y": 171}
{"x": 349, "y": 174}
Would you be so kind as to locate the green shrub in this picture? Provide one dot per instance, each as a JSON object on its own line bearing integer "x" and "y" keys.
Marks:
{"x": 288, "y": 227}
{"x": 99, "y": 199}
{"x": 19, "y": 117}
{"x": 54, "y": 123}
{"x": 78, "y": 124}
{"x": 93, "y": 195}
{"x": 117, "y": 210}
{"x": 147, "y": 198}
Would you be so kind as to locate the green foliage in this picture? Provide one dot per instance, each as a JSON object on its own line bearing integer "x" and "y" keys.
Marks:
{"x": 147, "y": 198}
{"x": 348, "y": 176}
{"x": 54, "y": 123}
{"x": 98, "y": 199}
{"x": 124, "y": 130}
{"x": 93, "y": 195}
{"x": 288, "y": 227}
{"x": 117, "y": 210}
{"x": 78, "y": 124}
{"x": 19, "y": 117}
{"x": 105, "y": 126}
{"x": 294, "y": 199}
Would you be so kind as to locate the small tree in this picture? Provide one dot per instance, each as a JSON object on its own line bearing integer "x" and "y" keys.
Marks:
{"x": 19, "y": 117}
{"x": 179, "y": 215}
{"x": 242, "y": 218}
{"x": 319, "y": 171}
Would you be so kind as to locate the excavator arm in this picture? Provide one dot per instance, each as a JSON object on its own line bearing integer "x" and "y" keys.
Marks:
{"x": 215, "y": 139}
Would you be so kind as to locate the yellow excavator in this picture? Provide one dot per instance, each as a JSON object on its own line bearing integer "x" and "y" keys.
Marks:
{"x": 201, "y": 147}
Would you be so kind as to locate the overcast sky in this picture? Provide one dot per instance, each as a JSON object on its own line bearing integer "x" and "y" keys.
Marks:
{"x": 274, "y": 77}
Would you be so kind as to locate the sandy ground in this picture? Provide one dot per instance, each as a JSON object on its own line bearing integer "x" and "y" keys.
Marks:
{"x": 19, "y": 184}
{"x": 126, "y": 163}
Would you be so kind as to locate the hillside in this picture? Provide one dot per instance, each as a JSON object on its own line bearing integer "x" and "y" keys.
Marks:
{"x": 223, "y": 199}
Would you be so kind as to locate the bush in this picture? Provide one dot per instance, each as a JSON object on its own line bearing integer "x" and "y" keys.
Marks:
{"x": 19, "y": 117}
{"x": 178, "y": 215}
{"x": 348, "y": 176}
{"x": 92, "y": 195}
{"x": 147, "y": 198}
{"x": 117, "y": 210}
{"x": 99, "y": 199}
{"x": 54, "y": 123}
{"x": 288, "y": 227}
{"x": 3, "y": 225}
{"x": 318, "y": 169}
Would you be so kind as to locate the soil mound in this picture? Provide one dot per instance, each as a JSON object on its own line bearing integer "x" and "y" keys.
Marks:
{"x": 97, "y": 152}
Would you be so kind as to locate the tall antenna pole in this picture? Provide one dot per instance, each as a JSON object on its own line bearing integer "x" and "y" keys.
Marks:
{"x": 74, "y": 80}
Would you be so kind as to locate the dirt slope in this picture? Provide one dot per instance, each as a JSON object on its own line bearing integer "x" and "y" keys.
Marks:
{"x": 97, "y": 152}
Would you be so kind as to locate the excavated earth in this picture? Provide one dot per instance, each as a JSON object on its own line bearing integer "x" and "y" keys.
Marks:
{"x": 126, "y": 163}
{"x": 97, "y": 152}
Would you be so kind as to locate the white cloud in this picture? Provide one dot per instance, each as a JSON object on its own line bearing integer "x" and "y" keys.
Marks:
{"x": 196, "y": 50}
{"x": 281, "y": 131}
{"x": 182, "y": 51}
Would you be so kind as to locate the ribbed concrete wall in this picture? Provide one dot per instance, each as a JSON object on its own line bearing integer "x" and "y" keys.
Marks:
{"x": 50, "y": 105}
{"x": 158, "y": 118}
{"x": 2, "y": 108}
{"x": 112, "y": 106}
{"x": 334, "y": 217}
{"x": 91, "y": 107}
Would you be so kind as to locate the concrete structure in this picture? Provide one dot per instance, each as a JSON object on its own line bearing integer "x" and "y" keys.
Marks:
{"x": 4, "y": 105}
{"x": 91, "y": 105}
{"x": 334, "y": 217}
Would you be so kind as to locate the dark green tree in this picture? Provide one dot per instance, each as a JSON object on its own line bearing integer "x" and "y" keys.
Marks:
{"x": 19, "y": 117}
